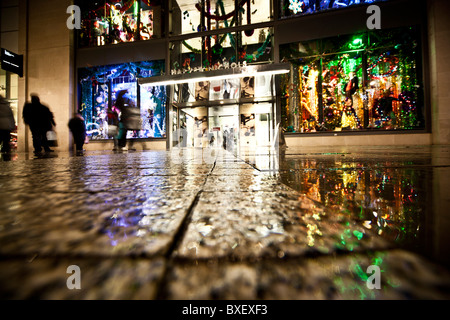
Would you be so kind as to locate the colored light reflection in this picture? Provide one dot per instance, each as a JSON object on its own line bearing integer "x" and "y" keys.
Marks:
{"x": 380, "y": 196}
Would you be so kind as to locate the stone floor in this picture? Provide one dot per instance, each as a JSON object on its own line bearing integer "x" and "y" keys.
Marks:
{"x": 165, "y": 225}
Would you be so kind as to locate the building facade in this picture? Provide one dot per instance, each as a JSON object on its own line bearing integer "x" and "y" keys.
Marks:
{"x": 325, "y": 72}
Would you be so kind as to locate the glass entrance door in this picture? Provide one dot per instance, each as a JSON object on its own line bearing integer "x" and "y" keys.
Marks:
{"x": 223, "y": 126}
{"x": 193, "y": 121}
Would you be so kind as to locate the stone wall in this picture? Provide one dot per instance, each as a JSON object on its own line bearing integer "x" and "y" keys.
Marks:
{"x": 439, "y": 50}
{"x": 47, "y": 46}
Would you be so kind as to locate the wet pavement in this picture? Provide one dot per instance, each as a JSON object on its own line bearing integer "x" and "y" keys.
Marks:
{"x": 153, "y": 225}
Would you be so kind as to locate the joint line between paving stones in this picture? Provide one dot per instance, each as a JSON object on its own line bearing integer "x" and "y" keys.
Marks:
{"x": 178, "y": 237}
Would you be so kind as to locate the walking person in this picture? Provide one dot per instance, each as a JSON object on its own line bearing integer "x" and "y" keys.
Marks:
{"x": 129, "y": 119}
{"x": 113, "y": 126}
{"x": 40, "y": 120}
{"x": 122, "y": 106}
{"x": 78, "y": 129}
{"x": 7, "y": 124}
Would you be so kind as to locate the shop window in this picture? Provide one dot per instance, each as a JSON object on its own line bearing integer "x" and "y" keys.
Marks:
{"x": 291, "y": 8}
{"x": 99, "y": 87}
{"x": 112, "y": 22}
{"x": 373, "y": 83}
{"x": 343, "y": 104}
{"x": 255, "y": 45}
{"x": 221, "y": 51}
{"x": 303, "y": 100}
{"x": 206, "y": 15}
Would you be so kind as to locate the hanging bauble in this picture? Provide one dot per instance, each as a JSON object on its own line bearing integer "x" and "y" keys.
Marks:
{"x": 199, "y": 28}
{"x": 249, "y": 33}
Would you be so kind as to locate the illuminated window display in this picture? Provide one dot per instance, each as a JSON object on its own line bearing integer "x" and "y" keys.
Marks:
{"x": 99, "y": 87}
{"x": 205, "y": 15}
{"x": 112, "y": 22}
{"x": 366, "y": 81}
{"x": 300, "y": 7}
{"x": 220, "y": 51}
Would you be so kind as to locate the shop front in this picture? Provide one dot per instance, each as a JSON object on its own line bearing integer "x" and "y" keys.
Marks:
{"x": 229, "y": 73}
{"x": 232, "y": 108}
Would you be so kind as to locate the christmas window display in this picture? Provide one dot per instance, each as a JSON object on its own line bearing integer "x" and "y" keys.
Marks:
{"x": 372, "y": 81}
{"x": 301, "y": 7}
{"x": 255, "y": 45}
{"x": 99, "y": 87}
{"x": 300, "y": 109}
{"x": 221, "y": 51}
{"x": 112, "y": 22}
{"x": 206, "y": 15}
{"x": 343, "y": 105}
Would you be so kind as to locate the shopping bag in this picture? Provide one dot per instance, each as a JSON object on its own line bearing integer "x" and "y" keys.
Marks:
{"x": 133, "y": 119}
{"x": 113, "y": 130}
{"x": 52, "y": 139}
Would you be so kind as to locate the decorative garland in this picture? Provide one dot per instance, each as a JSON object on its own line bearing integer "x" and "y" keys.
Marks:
{"x": 393, "y": 61}
{"x": 189, "y": 47}
{"x": 248, "y": 57}
{"x": 261, "y": 50}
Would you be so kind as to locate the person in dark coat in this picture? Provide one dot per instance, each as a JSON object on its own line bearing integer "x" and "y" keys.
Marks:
{"x": 40, "y": 120}
{"x": 129, "y": 120}
{"x": 78, "y": 129}
{"x": 7, "y": 124}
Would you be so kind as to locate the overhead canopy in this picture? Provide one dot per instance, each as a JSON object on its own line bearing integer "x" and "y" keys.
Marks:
{"x": 221, "y": 74}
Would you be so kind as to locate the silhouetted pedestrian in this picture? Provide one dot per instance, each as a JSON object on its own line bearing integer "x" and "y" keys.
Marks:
{"x": 78, "y": 129}
{"x": 40, "y": 120}
{"x": 7, "y": 124}
{"x": 113, "y": 126}
{"x": 129, "y": 119}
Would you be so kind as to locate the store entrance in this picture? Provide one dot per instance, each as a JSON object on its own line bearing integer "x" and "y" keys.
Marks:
{"x": 193, "y": 123}
{"x": 223, "y": 126}
{"x": 237, "y": 128}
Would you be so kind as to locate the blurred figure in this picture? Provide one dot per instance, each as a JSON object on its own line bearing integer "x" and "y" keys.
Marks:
{"x": 129, "y": 120}
{"x": 7, "y": 124}
{"x": 40, "y": 120}
{"x": 113, "y": 126}
{"x": 122, "y": 106}
{"x": 78, "y": 129}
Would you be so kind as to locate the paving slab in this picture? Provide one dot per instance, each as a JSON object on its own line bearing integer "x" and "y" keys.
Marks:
{"x": 125, "y": 222}
{"x": 101, "y": 279}
{"x": 259, "y": 224}
{"x": 404, "y": 275}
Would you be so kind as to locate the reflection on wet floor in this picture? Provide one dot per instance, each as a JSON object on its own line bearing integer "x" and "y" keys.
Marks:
{"x": 388, "y": 191}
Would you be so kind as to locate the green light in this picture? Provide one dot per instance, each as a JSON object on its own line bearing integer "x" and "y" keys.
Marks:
{"x": 136, "y": 9}
{"x": 357, "y": 43}
{"x": 358, "y": 234}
